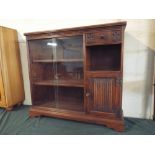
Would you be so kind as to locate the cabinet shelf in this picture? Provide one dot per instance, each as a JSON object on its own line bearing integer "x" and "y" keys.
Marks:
{"x": 63, "y": 83}
{"x": 67, "y": 105}
{"x": 103, "y": 73}
{"x": 59, "y": 60}
{"x": 104, "y": 57}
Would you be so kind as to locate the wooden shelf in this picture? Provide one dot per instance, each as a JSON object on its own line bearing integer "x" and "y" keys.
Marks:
{"x": 66, "y": 105}
{"x": 59, "y": 60}
{"x": 64, "y": 83}
{"x": 103, "y": 73}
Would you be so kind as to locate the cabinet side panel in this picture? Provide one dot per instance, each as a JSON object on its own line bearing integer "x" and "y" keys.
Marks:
{"x": 12, "y": 73}
{"x": 2, "y": 93}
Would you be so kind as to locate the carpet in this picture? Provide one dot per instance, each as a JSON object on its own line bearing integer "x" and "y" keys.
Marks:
{"x": 18, "y": 122}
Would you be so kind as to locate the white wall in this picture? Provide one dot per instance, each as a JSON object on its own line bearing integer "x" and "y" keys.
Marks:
{"x": 138, "y": 68}
{"x": 138, "y": 59}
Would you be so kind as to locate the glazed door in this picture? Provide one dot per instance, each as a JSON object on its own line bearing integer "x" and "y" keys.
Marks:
{"x": 57, "y": 73}
{"x": 104, "y": 95}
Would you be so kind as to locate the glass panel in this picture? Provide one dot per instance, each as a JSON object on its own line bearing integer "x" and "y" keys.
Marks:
{"x": 57, "y": 72}
{"x": 40, "y": 50}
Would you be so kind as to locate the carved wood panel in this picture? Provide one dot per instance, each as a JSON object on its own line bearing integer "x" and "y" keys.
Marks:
{"x": 104, "y": 37}
{"x": 103, "y": 93}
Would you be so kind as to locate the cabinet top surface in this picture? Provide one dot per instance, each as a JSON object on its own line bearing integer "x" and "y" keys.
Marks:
{"x": 4, "y": 27}
{"x": 123, "y": 23}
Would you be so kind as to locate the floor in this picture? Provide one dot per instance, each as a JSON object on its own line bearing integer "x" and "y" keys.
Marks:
{"x": 19, "y": 122}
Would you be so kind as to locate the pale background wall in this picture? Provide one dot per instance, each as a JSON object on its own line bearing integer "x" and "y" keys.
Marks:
{"x": 138, "y": 59}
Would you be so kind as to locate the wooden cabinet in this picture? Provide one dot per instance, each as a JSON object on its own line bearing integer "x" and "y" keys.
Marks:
{"x": 77, "y": 73}
{"x": 11, "y": 82}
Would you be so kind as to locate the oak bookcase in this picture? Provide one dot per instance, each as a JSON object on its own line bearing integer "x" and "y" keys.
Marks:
{"x": 77, "y": 73}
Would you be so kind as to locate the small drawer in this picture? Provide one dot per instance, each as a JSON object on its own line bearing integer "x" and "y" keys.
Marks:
{"x": 104, "y": 37}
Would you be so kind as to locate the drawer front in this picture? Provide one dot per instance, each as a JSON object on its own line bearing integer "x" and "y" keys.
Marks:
{"x": 104, "y": 37}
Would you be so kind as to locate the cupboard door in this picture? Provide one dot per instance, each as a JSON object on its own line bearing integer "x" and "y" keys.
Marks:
{"x": 104, "y": 95}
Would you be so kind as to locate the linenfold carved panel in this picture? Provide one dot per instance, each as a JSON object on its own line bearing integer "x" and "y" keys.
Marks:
{"x": 102, "y": 94}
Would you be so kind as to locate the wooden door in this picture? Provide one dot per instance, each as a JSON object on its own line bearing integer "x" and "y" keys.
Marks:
{"x": 104, "y": 95}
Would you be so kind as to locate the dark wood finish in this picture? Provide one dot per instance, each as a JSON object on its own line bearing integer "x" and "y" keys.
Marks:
{"x": 60, "y": 60}
{"x": 104, "y": 37}
{"x": 83, "y": 81}
{"x": 75, "y": 31}
{"x": 104, "y": 58}
{"x": 64, "y": 83}
{"x": 103, "y": 73}
{"x": 114, "y": 123}
{"x": 68, "y": 105}
{"x": 101, "y": 95}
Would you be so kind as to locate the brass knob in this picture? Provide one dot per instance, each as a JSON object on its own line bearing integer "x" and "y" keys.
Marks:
{"x": 87, "y": 94}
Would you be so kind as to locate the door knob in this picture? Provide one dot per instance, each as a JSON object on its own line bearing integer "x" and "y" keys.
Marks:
{"x": 87, "y": 94}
